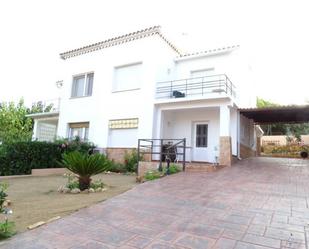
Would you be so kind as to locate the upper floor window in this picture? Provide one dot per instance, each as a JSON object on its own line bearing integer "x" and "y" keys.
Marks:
{"x": 80, "y": 130}
{"x": 202, "y": 72}
{"x": 82, "y": 85}
{"x": 127, "y": 77}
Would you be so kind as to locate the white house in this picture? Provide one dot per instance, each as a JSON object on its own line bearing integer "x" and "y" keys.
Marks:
{"x": 141, "y": 86}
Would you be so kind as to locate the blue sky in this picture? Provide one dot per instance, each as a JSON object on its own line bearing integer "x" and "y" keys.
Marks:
{"x": 34, "y": 32}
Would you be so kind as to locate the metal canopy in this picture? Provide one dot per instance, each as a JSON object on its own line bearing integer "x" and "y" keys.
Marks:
{"x": 282, "y": 114}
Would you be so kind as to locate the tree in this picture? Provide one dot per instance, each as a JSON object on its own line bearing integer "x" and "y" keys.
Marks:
{"x": 14, "y": 125}
{"x": 295, "y": 130}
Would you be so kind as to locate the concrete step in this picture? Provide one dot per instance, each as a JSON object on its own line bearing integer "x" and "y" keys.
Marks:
{"x": 201, "y": 167}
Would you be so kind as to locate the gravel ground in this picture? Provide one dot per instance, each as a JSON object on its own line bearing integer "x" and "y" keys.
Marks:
{"x": 36, "y": 199}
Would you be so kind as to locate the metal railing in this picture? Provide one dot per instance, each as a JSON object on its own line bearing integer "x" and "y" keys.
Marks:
{"x": 169, "y": 150}
{"x": 44, "y": 106}
{"x": 198, "y": 86}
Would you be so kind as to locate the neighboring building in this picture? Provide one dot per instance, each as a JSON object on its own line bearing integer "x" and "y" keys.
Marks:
{"x": 140, "y": 85}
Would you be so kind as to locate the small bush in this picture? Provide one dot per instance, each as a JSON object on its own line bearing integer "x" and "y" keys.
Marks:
{"x": 131, "y": 160}
{"x": 72, "y": 182}
{"x": 85, "y": 166}
{"x": 117, "y": 167}
{"x": 173, "y": 169}
{"x": 7, "y": 229}
{"x": 97, "y": 184}
{"x": 152, "y": 175}
{"x": 3, "y": 195}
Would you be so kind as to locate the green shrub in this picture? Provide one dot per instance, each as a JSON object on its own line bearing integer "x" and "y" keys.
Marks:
{"x": 97, "y": 184}
{"x": 152, "y": 175}
{"x": 131, "y": 160}
{"x": 85, "y": 166}
{"x": 3, "y": 195}
{"x": 21, "y": 157}
{"x": 7, "y": 229}
{"x": 117, "y": 167}
{"x": 173, "y": 169}
{"x": 72, "y": 181}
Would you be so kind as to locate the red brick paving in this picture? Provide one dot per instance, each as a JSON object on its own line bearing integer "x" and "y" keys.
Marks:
{"x": 259, "y": 203}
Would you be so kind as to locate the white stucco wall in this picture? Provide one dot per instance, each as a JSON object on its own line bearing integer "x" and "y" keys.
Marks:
{"x": 247, "y": 132}
{"x": 178, "y": 124}
{"x": 234, "y": 64}
{"x": 158, "y": 64}
{"x": 104, "y": 104}
{"x": 233, "y": 130}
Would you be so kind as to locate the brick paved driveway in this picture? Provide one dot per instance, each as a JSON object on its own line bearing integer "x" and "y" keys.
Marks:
{"x": 258, "y": 203}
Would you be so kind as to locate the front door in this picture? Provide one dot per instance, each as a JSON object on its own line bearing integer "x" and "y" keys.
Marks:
{"x": 200, "y": 142}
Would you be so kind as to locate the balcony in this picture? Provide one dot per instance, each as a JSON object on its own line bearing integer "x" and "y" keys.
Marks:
{"x": 213, "y": 86}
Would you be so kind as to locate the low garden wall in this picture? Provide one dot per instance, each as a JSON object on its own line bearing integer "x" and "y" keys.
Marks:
{"x": 292, "y": 151}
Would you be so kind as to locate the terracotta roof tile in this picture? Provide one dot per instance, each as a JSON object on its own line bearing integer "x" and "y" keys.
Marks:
{"x": 210, "y": 51}
{"x": 155, "y": 30}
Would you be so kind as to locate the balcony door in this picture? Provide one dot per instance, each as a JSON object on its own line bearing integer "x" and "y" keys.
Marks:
{"x": 200, "y": 152}
{"x": 198, "y": 81}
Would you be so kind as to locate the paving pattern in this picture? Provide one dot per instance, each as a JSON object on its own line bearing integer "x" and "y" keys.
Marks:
{"x": 259, "y": 203}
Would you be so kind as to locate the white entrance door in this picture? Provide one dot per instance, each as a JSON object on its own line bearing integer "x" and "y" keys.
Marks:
{"x": 200, "y": 151}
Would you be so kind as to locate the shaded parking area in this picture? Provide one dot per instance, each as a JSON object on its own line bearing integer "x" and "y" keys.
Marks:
{"x": 257, "y": 203}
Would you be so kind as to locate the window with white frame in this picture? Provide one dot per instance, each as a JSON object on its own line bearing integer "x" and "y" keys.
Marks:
{"x": 127, "y": 77}
{"x": 202, "y": 72}
{"x": 80, "y": 130}
{"x": 82, "y": 85}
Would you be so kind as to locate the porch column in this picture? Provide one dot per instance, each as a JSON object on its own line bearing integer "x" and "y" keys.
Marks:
{"x": 157, "y": 133}
{"x": 35, "y": 128}
{"x": 225, "y": 156}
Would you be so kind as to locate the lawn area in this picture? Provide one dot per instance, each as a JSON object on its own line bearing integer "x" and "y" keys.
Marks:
{"x": 36, "y": 198}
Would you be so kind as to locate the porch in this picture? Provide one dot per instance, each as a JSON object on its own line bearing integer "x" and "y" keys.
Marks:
{"x": 46, "y": 120}
{"x": 210, "y": 132}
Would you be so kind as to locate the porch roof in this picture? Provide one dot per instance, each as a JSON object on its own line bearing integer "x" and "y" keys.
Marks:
{"x": 282, "y": 114}
{"x": 43, "y": 115}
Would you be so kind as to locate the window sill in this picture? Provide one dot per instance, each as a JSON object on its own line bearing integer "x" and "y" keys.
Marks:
{"x": 80, "y": 97}
{"x": 126, "y": 90}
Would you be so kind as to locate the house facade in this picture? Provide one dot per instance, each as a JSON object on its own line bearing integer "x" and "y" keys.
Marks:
{"x": 141, "y": 86}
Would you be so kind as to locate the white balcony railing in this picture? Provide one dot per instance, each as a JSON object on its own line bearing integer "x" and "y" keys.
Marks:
{"x": 199, "y": 86}
{"x": 45, "y": 106}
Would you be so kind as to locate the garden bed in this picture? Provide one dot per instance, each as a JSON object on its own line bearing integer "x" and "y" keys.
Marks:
{"x": 35, "y": 198}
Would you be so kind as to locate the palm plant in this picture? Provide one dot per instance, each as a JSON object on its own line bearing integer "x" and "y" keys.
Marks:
{"x": 85, "y": 166}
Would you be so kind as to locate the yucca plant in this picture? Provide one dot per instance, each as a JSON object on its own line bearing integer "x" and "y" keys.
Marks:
{"x": 85, "y": 166}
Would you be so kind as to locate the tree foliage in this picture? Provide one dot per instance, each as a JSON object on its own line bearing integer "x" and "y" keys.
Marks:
{"x": 14, "y": 125}
{"x": 291, "y": 130}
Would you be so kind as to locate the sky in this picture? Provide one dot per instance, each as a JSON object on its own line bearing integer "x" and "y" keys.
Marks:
{"x": 273, "y": 33}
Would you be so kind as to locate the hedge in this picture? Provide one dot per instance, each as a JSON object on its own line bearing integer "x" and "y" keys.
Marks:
{"x": 21, "y": 157}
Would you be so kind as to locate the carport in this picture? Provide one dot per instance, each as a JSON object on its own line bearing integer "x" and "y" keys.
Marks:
{"x": 271, "y": 115}
{"x": 282, "y": 114}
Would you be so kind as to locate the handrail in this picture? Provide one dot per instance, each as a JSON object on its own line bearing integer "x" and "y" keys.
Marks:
{"x": 156, "y": 148}
{"x": 195, "y": 86}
